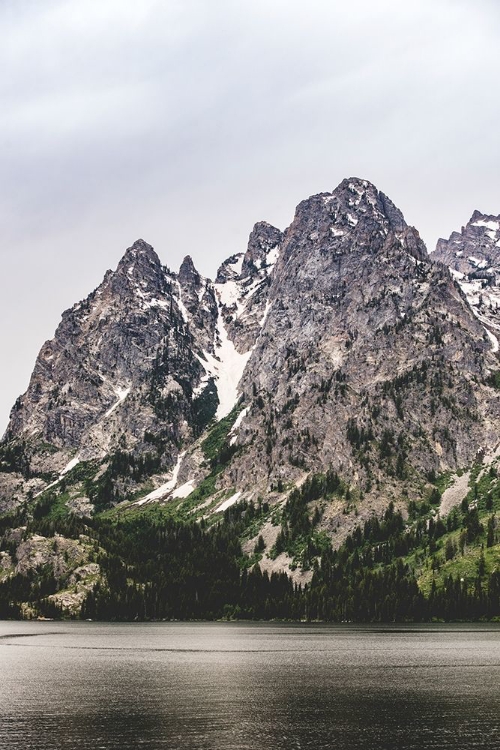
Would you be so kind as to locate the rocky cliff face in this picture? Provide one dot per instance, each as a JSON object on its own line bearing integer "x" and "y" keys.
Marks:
{"x": 139, "y": 367}
{"x": 242, "y": 285}
{"x": 122, "y": 364}
{"x": 344, "y": 345}
{"x": 473, "y": 256}
{"x": 369, "y": 360}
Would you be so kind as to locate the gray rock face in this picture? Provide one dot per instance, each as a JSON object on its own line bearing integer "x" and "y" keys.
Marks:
{"x": 200, "y": 306}
{"x": 242, "y": 286}
{"x": 260, "y": 254}
{"x": 120, "y": 370}
{"x": 473, "y": 256}
{"x": 60, "y": 553}
{"x": 366, "y": 343}
{"x": 349, "y": 347}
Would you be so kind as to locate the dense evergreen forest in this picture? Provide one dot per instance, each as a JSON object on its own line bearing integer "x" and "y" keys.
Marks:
{"x": 153, "y": 566}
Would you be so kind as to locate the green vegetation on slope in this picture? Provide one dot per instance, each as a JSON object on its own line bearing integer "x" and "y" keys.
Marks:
{"x": 389, "y": 569}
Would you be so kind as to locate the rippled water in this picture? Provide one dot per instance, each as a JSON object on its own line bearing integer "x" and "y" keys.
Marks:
{"x": 259, "y": 686}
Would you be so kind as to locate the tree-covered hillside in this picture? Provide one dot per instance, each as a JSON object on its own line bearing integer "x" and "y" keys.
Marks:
{"x": 155, "y": 563}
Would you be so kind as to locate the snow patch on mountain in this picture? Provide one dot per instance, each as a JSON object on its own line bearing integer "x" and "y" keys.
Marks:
{"x": 227, "y": 503}
{"x": 229, "y": 294}
{"x": 272, "y": 257}
{"x": 71, "y": 465}
{"x": 180, "y": 304}
{"x": 234, "y": 429}
{"x": 184, "y": 490}
{"x": 266, "y": 312}
{"x": 226, "y": 366}
{"x": 493, "y": 226}
{"x": 493, "y": 339}
{"x": 121, "y": 394}
{"x": 166, "y": 488}
{"x": 237, "y": 264}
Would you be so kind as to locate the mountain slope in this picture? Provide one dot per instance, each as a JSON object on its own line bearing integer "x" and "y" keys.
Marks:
{"x": 473, "y": 256}
{"x": 369, "y": 361}
{"x": 336, "y": 346}
{"x": 138, "y": 368}
{"x": 300, "y": 415}
{"x": 121, "y": 366}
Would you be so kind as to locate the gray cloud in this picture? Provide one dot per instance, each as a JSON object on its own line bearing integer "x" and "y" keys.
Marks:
{"x": 185, "y": 122}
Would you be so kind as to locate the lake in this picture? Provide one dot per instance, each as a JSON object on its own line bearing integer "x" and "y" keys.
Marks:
{"x": 260, "y": 686}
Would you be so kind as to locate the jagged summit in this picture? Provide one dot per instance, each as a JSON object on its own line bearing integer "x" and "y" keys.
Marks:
{"x": 478, "y": 215}
{"x": 139, "y": 274}
{"x": 140, "y": 253}
{"x": 340, "y": 326}
{"x": 354, "y": 213}
{"x": 355, "y": 309}
{"x": 473, "y": 257}
{"x": 187, "y": 268}
{"x": 484, "y": 229}
{"x": 261, "y": 251}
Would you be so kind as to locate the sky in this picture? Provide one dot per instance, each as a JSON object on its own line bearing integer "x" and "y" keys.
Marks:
{"x": 185, "y": 122}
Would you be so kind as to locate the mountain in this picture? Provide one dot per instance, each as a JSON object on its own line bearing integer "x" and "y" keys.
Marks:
{"x": 329, "y": 372}
{"x": 139, "y": 368}
{"x": 104, "y": 382}
{"x": 473, "y": 256}
{"x": 365, "y": 337}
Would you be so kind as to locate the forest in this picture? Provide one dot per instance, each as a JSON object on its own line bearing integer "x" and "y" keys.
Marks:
{"x": 390, "y": 569}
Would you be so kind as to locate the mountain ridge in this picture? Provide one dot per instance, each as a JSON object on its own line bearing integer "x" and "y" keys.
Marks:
{"x": 473, "y": 257}
{"x": 337, "y": 346}
{"x": 290, "y": 425}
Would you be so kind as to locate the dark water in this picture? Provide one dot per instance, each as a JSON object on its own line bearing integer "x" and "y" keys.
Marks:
{"x": 218, "y": 686}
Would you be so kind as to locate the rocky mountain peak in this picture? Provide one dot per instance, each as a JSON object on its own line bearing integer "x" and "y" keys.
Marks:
{"x": 263, "y": 240}
{"x": 337, "y": 328}
{"x": 473, "y": 257}
{"x": 483, "y": 230}
{"x": 355, "y": 304}
{"x": 139, "y": 255}
{"x": 488, "y": 224}
{"x": 352, "y": 217}
{"x": 139, "y": 272}
{"x": 354, "y": 214}
{"x": 191, "y": 282}
{"x": 230, "y": 269}
{"x": 188, "y": 272}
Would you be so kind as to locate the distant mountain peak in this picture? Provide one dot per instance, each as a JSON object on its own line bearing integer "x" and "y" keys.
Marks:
{"x": 473, "y": 257}
{"x": 264, "y": 238}
{"x": 140, "y": 251}
{"x": 140, "y": 270}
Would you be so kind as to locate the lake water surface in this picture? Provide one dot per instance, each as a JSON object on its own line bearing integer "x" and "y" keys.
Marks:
{"x": 260, "y": 686}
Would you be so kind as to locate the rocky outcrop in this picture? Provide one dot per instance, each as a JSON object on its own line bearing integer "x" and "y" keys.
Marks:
{"x": 60, "y": 554}
{"x": 473, "y": 257}
{"x": 81, "y": 581}
{"x": 242, "y": 286}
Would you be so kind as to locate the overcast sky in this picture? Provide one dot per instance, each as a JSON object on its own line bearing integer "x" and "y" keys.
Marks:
{"x": 186, "y": 122}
